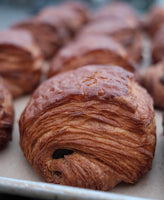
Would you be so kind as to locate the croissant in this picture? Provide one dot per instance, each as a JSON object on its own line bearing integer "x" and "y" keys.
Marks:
{"x": 92, "y": 127}
{"x": 154, "y": 19}
{"x": 20, "y": 61}
{"x": 153, "y": 81}
{"x": 90, "y": 50}
{"x": 6, "y": 115}
{"x": 126, "y": 32}
{"x": 158, "y": 45}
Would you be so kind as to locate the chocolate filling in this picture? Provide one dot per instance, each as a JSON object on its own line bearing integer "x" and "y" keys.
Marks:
{"x": 60, "y": 153}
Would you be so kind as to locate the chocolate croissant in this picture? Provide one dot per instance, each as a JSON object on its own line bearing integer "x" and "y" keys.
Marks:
{"x": 153, "y": 81}
{"x": 92, "y": 127}
{"x": 158, "y": 45}
{"x": 6, "y": 115}
{"x": 90, "y": 50}
{"x": 154, "y": 19}
{"x": 55, "y": 25}
{"x": 20, "y": 61}
{"x": 126, "y": 32}
{"x": 73, "y": 15}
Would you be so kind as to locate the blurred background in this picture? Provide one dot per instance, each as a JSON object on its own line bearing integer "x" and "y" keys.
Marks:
{"x": 13, "y": 10}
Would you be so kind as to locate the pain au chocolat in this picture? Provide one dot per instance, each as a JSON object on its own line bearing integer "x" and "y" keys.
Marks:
{"x": 6, "y": 115}
{"x": 92, "y": 127}
{"x": 90, "y": 50}
{"x": 20, "y": 61}
{"x": 153, "y": 81}
{"x": 55, "y": 25}
{"x": 126, "y": 32}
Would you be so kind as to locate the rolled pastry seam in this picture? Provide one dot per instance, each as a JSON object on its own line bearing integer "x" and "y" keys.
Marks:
{"x": 20, "y": 61}
{"x": 90, "y": 50}
{"x": 92, "y": 127}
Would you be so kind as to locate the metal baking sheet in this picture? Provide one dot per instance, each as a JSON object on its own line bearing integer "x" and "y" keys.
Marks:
{"x": 18, "y": 177}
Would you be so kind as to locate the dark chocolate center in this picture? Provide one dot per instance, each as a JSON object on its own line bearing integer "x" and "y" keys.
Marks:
{"x": 60, "y": 153}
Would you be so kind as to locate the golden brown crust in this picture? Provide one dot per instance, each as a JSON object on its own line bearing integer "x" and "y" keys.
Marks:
{"x": 154, "y": 19}
{"x": 6, "y": 115}
{"x": 126, "y": 31}
{"x": 153, "y": 81}
{"x": 92, "y": 127}
{"x": 20, "y": 61}
{"x": 158, "y": 45}
{"x": 90, "y": 50}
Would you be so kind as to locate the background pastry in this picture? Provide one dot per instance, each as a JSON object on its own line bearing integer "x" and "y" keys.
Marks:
{"x": 90, "y": 50}
{"x": 73, "y": 15}
{"x": 93, "y": 133}
{"x": 116, "y": 10}
{"x": 6, "y": 115}
{"x": 20, "y": 61}
{"x": 126, "y": 32}
{"x": 158, "y": 45}
{"x": 153, "y": 81}
{"x": 55, "y": 25}
{"x": 154, "y": 19}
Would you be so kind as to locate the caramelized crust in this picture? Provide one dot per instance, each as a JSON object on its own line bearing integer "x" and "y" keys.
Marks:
{"x": 154, "y": 83}
{"x": 90, "y": 50}
{"x": 20, "y": 61}
{"x": 154, "y": 19}
{"x": 6, "y": 115}
{"x": 126, "y": 31}
{"x": 158, "y": 45}
{"x": 92, "y": 127}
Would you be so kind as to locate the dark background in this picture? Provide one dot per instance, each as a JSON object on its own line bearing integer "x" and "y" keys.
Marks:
{"x": 12, "y": 11}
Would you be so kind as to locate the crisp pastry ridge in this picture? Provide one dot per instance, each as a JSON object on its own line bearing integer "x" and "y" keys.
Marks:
{"x": 73, "y": 130}
{"x": 21, "y": 61}
{"x": 6, "y": 115}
